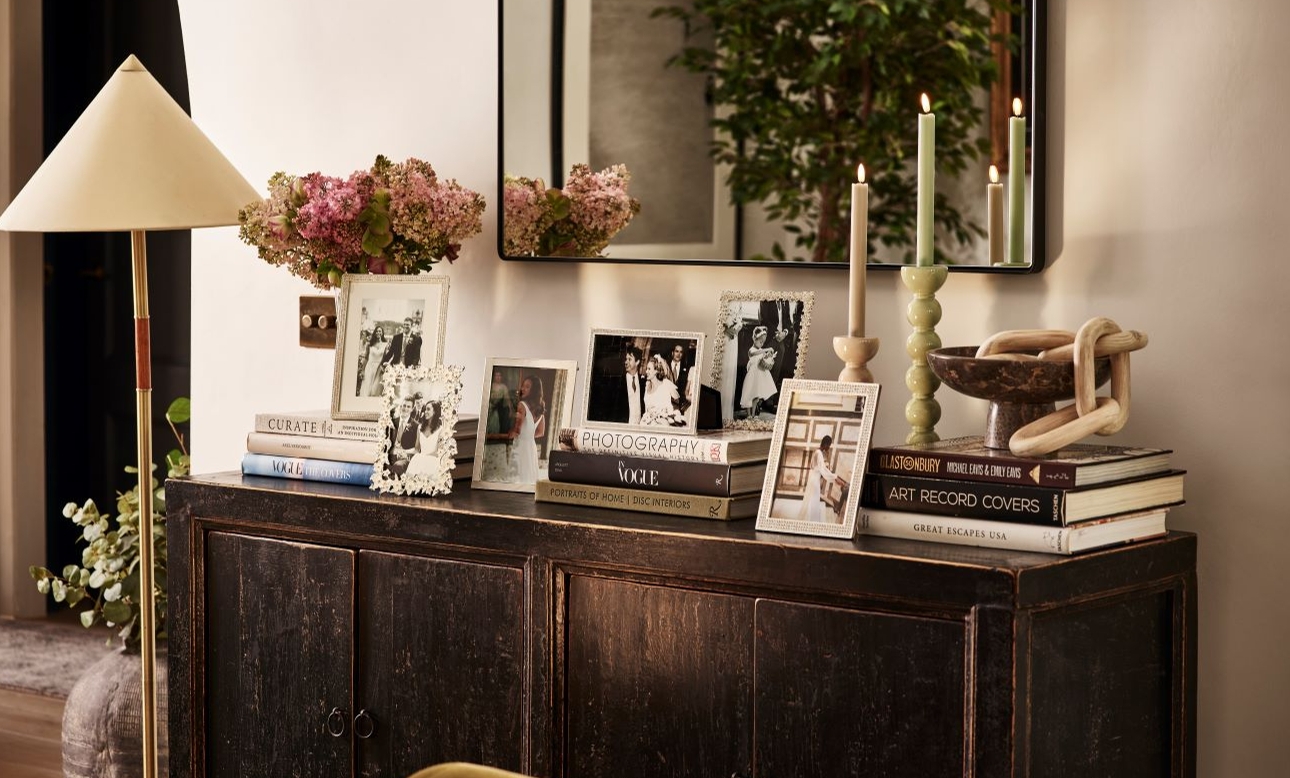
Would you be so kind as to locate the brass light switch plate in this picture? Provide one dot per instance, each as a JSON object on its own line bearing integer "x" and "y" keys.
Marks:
{"x": 318, "y": 321}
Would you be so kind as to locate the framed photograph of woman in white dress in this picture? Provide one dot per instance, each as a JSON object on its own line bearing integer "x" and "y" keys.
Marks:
{"x": 419, "y": 405}
{"x": 760, "y": 342}
{"x": 383, "y": 321}
{"x": 525, "y": 403}
{"x": 817, "y": 458}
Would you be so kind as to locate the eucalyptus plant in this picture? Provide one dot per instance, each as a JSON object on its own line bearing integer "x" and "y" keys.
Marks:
{"x": 806, "y": 89}
{"x": 108, "y": 575}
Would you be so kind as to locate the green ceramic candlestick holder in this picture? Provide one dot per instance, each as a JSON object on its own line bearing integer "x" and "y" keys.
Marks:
{"x": 924, "y": 312}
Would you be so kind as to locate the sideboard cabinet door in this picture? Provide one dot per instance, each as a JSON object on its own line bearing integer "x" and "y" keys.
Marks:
{"x": 441, "y": 664}
{"x": 843, "y": 692}
{"x": 658, "y": 681}
{"x": 279, "y": 653}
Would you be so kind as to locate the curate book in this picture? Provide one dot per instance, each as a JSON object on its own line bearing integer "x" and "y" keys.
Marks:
{"x": 1085, "y": 536}
{"x": 686, "y": 505}
{"x": 655, "y": 475}
{"x": 1011, "y": 502}
{"x": 968, "y": 459}
{"x": 320, "y": 424}
{"x": 723, "y": 447}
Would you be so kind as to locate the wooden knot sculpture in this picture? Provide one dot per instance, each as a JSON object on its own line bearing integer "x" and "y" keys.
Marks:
{"x": 1089, "y": 414}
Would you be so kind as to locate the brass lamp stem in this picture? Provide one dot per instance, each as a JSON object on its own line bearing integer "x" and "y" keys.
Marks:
{"x": 143, "y": 414}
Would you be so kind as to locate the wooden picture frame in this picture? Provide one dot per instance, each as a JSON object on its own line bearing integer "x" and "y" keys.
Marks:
{"x": 605, "y": 389}
{"x": 844, "y": 414}
{"x": 418, "y": 453}
{"x": 368, "y": 305}
{"x": 785, "y": 318}
{"x": 505, "y": 458}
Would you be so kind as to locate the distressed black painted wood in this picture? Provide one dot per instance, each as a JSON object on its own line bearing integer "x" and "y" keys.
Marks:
{"x": 566, "y": 641}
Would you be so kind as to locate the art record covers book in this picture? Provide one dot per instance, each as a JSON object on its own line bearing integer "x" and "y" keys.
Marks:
{"x": 968, "y": 459}
{"x": 655, "y": 475}
{"x": 724, "y": 447}
{"x": 1085, "y": 536}
{"x": 319, "y": 424}
{"x": 673, "y": 504}
{"x": 1010, "y": 502}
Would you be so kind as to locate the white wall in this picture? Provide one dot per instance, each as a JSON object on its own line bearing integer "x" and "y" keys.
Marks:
{"x": 1173, "y": 188}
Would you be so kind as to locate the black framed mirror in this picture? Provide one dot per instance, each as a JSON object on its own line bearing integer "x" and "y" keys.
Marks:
{"x": 734, "y": 160}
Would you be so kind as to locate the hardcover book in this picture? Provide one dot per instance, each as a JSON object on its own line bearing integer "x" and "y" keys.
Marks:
{"x": 308, "y": 469}
{"x": 1084, "y": 536}
{"x": 724, "y": 447}
{"x": 1027, "y": 504}
{"x": 320, "y": 424}
{"x": 968, "y": 459}
{"x": 313, "y": 447}
{"x": 670, "y": 503}
{"x": 655, "y": 475}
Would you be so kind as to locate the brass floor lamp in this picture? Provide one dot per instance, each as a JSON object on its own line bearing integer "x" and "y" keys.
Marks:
{"x": 134, "y": 161}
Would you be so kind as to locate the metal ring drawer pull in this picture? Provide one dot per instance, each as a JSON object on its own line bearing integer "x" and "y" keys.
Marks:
{"x": 364, "y": 725}
{"x": 336, "y": 722}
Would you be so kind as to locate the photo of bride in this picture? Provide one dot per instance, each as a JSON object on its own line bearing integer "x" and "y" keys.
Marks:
{"x": 525, "y": 403}
{"x": 421, "y": 413}
{"x": 761, "y": 342}
{"x": 643, "y": 380}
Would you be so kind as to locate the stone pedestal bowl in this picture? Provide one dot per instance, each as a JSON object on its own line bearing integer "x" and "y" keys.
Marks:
{"x": 1019, "y": 391}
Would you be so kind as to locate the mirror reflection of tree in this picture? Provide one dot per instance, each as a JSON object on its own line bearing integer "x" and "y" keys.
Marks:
{"x": 810, "y": 88}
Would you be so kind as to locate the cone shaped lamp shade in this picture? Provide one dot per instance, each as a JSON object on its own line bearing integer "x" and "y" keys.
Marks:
{"x": 132, "y": 161}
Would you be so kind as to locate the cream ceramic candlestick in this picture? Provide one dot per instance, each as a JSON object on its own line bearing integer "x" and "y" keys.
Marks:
{"x": 924, "y": 312}
{"x": 855, "y": 353}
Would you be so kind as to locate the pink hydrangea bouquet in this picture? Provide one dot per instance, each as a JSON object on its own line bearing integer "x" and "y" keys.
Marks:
{"x": 395, "y": 218}
{"x": 577, "y": 221}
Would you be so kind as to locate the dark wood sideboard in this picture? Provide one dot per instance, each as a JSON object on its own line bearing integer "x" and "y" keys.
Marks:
{"x": 321, "y": 630}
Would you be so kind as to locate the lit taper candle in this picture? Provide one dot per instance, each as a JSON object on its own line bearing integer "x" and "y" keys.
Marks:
{"x": 994, "y": 213}
{"x": 859, "y": 253}
{"x": 1016, "y": 185}
{"x": 925, "y": 249}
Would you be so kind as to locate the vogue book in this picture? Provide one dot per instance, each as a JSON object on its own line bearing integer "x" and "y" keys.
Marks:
{"x": 655, "y": 475}
{"x": 1084, "y": 536}
{"x": 724, "y": 447}
{"x": 671, "y": 503}
{"x": 1010, "y": 502}
{"x": 307, "y": 469}
{"x": 968, "y": 459}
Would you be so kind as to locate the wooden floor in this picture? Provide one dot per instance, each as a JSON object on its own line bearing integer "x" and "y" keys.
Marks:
{"x": 30, "y": 727}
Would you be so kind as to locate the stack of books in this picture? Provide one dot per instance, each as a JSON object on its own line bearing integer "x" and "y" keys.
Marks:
{"x": 312, "y": 446}
{"x": 715, "y": 475}
{"x": 1079, "y": 498}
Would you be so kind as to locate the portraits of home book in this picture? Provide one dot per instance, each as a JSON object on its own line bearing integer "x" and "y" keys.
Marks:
{"x": 968, "y": 459}
{"x": 1028, "y": 504}
{"x": 1013, "y": 536}
{"x": 687, "y": 505}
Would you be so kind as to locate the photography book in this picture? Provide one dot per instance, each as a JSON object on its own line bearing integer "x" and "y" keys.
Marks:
{"x": 655, "y": 475}
{"x": 320, "y": 424}
{"x": 722, "y": 447}
{"x": 1010, "y": 502}
{"x": 1085, "y": 536}
{"x": 968, "y": 459}
{"x": 670, "y": 503}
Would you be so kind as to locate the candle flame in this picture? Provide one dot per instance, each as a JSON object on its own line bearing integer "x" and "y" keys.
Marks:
{"x": 1016, "y": 106}
{"x": 927, "y": 104}
{"x": 994, "y": 174}
{"x": 860, "y": 172}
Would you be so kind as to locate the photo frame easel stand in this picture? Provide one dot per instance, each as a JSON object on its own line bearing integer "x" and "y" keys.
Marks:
{"x": 924, "y": 312}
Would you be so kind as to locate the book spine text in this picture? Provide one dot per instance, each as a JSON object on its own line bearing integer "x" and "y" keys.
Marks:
{"x": 652, "y": 475}
{"x": 336, "y": 449}
{"x": 965, "y": 532}
{"x": 307, "y": 469}
{"x": 966, "y": 468}
{"x": 680, "y": 448}
{"x": 318, "y": 427}
{"x": 696, "y": 506}
{"x": 968, "y": 499}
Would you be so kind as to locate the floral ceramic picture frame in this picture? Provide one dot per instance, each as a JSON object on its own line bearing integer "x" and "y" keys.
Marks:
{"x": 761, "y": 341}
{"x": 383, "y": 321}
{"x": 418, "y": 452}
{"x": 817, "y": 458}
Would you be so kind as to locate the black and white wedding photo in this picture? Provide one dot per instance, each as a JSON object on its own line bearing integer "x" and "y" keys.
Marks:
{"x": 420, "y": 415}
{"x": 761, "y": 341}
{"x": 643, "y": 379}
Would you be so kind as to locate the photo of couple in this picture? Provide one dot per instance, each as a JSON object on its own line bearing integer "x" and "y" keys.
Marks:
{"x": 525, "y": 403}
{"x": 643, "y": 379}
{"x": 762, "y": 342}
{"x": 421, "y": 414}
{"x": 387, "y": 342}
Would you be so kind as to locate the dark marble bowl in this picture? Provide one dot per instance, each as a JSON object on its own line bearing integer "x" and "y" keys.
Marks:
{"x": 1019, "y": 391}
